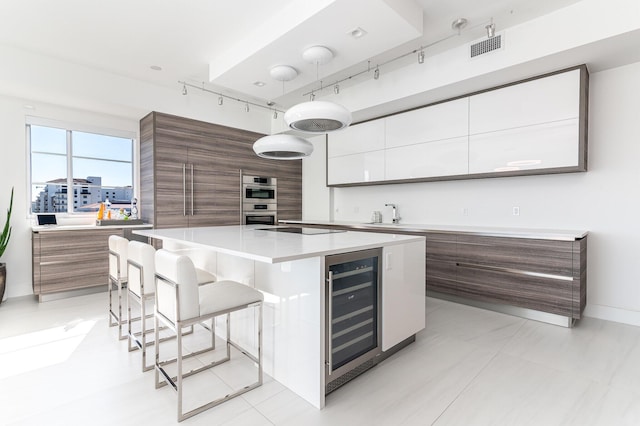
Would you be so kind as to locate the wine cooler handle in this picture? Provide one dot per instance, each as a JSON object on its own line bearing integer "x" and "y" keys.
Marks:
{"x": 330, "y": 322}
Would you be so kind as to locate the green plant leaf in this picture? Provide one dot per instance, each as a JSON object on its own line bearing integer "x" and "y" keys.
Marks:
{"x": 6, "y": 231}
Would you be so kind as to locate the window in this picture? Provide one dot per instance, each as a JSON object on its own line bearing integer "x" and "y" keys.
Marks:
{"x": 96, "y": 166}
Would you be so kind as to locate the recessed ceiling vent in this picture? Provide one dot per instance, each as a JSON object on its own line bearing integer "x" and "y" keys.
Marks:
{"x": 485, "y": 46}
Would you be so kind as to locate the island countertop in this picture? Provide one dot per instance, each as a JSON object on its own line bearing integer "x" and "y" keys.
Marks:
{"x": 256, "y": 242}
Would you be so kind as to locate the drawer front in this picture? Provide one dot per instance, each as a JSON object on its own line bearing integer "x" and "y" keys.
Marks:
{"x": 442, "y": 276}
{"x": 442, "y": 247}
{"x": 62, "y": 277}
{"x": 540, "y": 256}
{"x": 68, "y": 260}
{"x": 543, "y": 294}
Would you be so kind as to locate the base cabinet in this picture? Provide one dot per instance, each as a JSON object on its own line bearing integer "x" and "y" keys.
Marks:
{"x": 71, "y": 260}
{"x": 543, "y": 275}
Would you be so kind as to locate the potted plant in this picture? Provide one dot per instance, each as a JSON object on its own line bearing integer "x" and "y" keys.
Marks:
{"x": 4, "y": 240}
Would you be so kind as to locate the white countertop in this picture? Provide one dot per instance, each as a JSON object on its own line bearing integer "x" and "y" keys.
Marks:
{"x": 77, "y": 227}
{"x": 250, "y": 242}
{"x": 544, "y": 234}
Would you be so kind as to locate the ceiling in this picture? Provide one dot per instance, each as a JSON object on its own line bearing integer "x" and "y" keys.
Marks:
{"x": 237, "y": 42}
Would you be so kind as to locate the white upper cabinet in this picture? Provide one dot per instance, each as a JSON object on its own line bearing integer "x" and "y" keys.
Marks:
{"x": 543, "y": 146}
{"x": 442, "y": 121}
{"x": 536, "y": 101}
{"x": 447, "y": 157}
{"x": 356, "y": 139}
{"x": 531, "y": 127}
{"x": 356, "y": 168}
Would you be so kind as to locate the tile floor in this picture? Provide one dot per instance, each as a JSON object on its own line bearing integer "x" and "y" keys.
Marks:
{"x": 60, "y": 364}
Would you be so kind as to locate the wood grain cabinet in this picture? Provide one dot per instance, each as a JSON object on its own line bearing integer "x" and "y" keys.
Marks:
{"x": 542, "y": 275}
{"x": 190, "y": 173}
{"x": 70, "y": 260}
{"x": 546, "y": 274}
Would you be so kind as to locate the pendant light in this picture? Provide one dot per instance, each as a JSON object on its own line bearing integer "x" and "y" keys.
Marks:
{"x": 282, "y": 146}
{"x": 317, "y": 116}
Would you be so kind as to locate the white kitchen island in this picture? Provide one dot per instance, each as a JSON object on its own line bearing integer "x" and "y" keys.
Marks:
{"x": 289, "y": 268}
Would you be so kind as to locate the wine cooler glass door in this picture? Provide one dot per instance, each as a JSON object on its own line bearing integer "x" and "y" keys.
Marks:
{"x": 353, "y": 311}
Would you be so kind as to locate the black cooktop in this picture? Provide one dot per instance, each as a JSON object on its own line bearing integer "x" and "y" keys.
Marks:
{"x": 304, "y": 231}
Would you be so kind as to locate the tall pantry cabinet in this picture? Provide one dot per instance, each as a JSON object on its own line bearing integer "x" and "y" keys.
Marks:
{"x": 190, "y": 173}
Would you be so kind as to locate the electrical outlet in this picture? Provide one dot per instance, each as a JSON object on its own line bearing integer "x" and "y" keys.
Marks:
{"x": 516, "y": 211}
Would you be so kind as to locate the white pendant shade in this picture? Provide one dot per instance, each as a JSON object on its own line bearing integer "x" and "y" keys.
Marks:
{"x": 282, "y": 147}
{"x": 317, "y": 117}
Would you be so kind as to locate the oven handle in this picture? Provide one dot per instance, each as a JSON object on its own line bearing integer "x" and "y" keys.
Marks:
{"x": 330, "y": 321}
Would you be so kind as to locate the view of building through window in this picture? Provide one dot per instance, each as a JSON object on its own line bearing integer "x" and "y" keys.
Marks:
{"x": 97, "y": 167}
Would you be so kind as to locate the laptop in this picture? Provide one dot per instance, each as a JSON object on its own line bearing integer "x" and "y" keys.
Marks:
{"x": 47, "y": 219}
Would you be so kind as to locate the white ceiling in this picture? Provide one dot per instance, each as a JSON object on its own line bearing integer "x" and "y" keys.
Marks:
{"x": 242, "y": 40}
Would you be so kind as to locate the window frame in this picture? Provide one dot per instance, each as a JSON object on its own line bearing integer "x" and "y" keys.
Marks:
{"x": 69, "y": 128}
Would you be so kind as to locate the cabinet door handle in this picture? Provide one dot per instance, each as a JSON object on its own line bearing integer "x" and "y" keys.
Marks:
{"x": 191, "y": 189}
{"x": 184, "y": 189}
{"x": 514, "y": 271}
{"x": 329, "y": 322}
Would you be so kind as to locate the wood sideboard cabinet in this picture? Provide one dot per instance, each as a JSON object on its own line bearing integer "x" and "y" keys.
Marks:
{"x": 71, "y": 259}
{"x": 542, "y": 275}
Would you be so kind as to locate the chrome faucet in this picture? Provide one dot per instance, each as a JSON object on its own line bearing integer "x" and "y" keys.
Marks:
{"x": 394, "y": 218}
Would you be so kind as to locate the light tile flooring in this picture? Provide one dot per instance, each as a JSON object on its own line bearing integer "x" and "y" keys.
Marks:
{"x": 60, "y": 364}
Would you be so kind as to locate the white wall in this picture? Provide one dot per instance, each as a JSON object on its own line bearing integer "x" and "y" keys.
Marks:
{"x": 316, "y": 196}
{"x": 605, "y": 200}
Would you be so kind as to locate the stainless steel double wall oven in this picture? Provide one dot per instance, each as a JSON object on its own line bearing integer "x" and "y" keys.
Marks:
{"x": 259, "y": 200}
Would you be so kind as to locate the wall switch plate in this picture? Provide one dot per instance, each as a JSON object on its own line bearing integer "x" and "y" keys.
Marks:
{"x": 516, "y": 211}
{"x": 465, "y": 211}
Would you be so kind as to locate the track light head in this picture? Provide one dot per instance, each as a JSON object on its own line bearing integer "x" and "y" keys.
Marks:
{"x": 220, "y": 100}
{"x": 275, "y": 114}
{"x": 336, "y": 89}
{"x": 421, "y": 57}
{"x": 491, "y": 30}
{"x": 184, "y": 90}
{"x": 246, "y": 107}
{"x": 376, "y": 73}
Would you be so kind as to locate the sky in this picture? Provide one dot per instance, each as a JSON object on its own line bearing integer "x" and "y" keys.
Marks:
{"x": 93, "y": 155}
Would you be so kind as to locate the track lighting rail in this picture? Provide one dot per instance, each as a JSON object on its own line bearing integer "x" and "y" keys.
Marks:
{"x": 420, "y": 51}
{"x": 223, "y": 96}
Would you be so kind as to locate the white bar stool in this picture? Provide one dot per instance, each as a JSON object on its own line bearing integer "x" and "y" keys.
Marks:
{"x": 141, "y": 288}
{"x": 141, "y": 270}
{"x": 181, "y": 303}
{"x": 118, "y": 249}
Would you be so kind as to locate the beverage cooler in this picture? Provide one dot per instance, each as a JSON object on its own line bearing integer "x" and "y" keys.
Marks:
{"x": 352, "y": 312}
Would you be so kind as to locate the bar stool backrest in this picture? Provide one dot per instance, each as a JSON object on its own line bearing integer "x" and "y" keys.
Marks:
{"x": 182, "y": 303}
{"x": 118, "y": 261}
{"x": 145, "y": 256}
